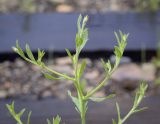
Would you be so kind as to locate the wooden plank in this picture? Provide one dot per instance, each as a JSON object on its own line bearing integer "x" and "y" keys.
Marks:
{"x": 57, "y": 31}
{"x": 98, "y": 113}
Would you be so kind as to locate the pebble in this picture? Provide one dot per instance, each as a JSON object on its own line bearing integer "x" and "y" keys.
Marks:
{"x": 63, "y": 61}
{"x": 18, "y": 79}
{"x": 92, "y": 6}
{"x": 149, "y": 72}
{"x": 128, "y": 72}
{"x": 64, "y": 8}
{"x": 3, "y": 94}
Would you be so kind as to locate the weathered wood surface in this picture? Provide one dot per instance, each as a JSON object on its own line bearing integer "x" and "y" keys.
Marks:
{"x": 100, "y": 113}
{"x": 57, "y": 31}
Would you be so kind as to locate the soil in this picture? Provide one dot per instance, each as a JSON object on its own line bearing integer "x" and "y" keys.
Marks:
{"x": 32, "y": 6}
{"x": 24, "y": 81}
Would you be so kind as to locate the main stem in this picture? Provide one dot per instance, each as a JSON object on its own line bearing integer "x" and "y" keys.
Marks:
{"x": 83, "y": 112}
{"x": 81, "y": 99}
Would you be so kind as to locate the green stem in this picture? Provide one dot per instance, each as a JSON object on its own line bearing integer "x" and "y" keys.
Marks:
{"x": 19, "y": 121}
{"x": 92, "y": 92}
{"x": 82, "y": 107}
{"x": 82, "y": 102}
{"x": 50, "y": 70}
{"x": 83, "y": 114}
{"x": 59, "y": 74}
{"x": 127, "y": 116}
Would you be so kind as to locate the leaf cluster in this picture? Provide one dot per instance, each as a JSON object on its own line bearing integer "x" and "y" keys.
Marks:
{"x": 140, "y": 93}
{"x": 56, "y": 120}
{"x": 17, "y": 116}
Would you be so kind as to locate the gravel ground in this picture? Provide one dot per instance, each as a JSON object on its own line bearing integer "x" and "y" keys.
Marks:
{"x": 24, "y": 81}
{"x": 32, "y": 6}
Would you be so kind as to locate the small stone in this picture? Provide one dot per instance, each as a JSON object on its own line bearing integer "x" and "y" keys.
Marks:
{"x": 149, "y": 71}
{"x": 83, "y": 3}
{"x": 46, "y": 94}
{"x": 92, "y": 75}
{"x": 63, "y": 61}
{"x": 3, "y": 94}
{"x": 6, "y": 64}
{"x": 26, "y": 89}
{"x": 13, "y": 92}
{"x": 7, "y": 85}
{"x": 7, "y": 73}
{"x": 89, "y": 63}
{"x": 128, "y": 72}
{"x": 64, "y": 69}
{"x": 100, "y": 94}
{"x": 35, "y": 68}
{"x": 19, "y": 63}
{"x": 64, "y": 8}
{"x": 59, "y": 1}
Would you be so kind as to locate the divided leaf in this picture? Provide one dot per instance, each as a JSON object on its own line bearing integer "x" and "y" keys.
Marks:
{"x": 40, "y": 55}
{"x": 138, "y": 98}
{"x": 17, "y": 116}
{"x": 82, "y": 34}
{"x": 107, "y": 66}
{"x": 117, "y": 52}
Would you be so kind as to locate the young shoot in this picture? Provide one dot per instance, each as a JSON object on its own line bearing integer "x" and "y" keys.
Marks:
{"x": 82, "y": 98}
{"x": 17, "y": 116}
{"x": 138, "y": 98}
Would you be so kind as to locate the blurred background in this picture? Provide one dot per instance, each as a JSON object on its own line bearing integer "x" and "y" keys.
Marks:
{"x": 51, "y": 25}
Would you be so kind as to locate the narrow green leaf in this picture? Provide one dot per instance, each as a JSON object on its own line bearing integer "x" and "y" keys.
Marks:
{"x": 141, "y": 109}
{"x": 82, "y": 68}
{"x": 118, "y": 112}
{"x": 83, "y": 85}
{"x": 21, "y": 113}
{"x": 107, "y": 66}
{"x": 16, "y": 116}
{"x": 69, "y": 54}
{"x": 48, "y": 121}
{"x": 117, "y": 52}
{"x": 101, "y": 99}
{"x": 29, "y": 53}
{"x": 51, "y": 77}
{"x": 79, "y": 22}
{"x": 57, "y": 120}
{"x": 18, "y": 50}
{"x": 40, "y": 55}
{"x": 75, "y": 101}
{"x": 117, "y": 37}
{"x": 113, "y": 121}
{"x": 84, "y": 22}
{"x": 29, "y": 116}
{"x": 74, "y": 59}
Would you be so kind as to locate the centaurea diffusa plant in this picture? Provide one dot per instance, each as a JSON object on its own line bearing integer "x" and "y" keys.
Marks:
{"x": 83, "y": 97}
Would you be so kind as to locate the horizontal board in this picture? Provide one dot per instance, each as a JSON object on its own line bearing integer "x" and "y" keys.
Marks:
{"x": 98, "y": 112}
{"x": 57, "y": 31}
